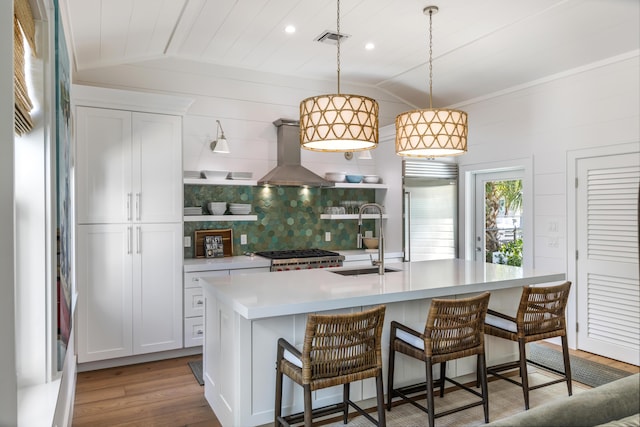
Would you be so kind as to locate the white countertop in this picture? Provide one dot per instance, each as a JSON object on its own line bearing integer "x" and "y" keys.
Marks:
{"x": 243, "y": 261}
{"x": 262, "y": 295}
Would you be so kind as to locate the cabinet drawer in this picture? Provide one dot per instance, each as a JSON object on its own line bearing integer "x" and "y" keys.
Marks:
{"x": 193, "y": 331}
{"x": 192, "y": 280}
{"x": 193, "y": 302}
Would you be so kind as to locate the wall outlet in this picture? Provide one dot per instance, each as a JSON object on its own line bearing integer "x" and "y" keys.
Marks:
{"x": 187, "y": 241}
{"x": 327, "y": 236}
{"x": 243, "y": 239}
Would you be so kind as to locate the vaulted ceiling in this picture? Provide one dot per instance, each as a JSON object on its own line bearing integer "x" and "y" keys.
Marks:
{"x": 480, "y": 47}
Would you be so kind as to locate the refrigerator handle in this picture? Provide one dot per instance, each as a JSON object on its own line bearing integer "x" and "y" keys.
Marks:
{"x": 407, "y": 222}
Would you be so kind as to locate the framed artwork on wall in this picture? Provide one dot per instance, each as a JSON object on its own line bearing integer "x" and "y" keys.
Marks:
{"x": 63, "y": 126}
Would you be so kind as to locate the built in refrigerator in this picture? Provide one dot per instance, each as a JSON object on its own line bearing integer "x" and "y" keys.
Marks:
{"x": 430, "y": 210}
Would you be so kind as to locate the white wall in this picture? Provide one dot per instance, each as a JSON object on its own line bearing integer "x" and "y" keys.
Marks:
{"x": 539, "y": 126}
{"x": 8, "y": 388}
{"x": 246, "y": 104}
{"x": 539, "y": 123}
{"x": 592, "y": 108}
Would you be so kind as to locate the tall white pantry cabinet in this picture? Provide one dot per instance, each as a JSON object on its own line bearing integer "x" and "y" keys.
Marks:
{"x": 129, "y": 257}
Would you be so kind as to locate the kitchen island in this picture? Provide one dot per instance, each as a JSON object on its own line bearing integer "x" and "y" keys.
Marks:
{"x": 246, "y": 314}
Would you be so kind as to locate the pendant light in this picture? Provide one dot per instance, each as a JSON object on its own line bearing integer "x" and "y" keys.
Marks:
{"x": 338, "y": 122}
{"x": 431, "y": 132}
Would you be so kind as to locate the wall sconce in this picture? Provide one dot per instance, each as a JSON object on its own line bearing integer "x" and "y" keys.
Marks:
{"x": 219, "y": 145}
{"x": 365, "y": 155}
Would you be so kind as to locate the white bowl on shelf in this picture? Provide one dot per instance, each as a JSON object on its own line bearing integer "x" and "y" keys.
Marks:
{"x": 240, "y": 208}
{"x": 335, "y": 176}
{"x": 240, "y": 175}
{"x": 215, "y": 174}
{"x": 371, "y": 179}
{"x": 217, "y": 208}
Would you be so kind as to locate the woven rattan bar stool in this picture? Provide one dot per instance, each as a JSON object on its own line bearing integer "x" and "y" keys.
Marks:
{"x": 454, "y": 329}
{"x": 337, "y": 350}
{"x": 540, "y": 315}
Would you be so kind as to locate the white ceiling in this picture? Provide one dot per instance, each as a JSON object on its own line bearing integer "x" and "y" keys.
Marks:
{"x": 480, "y": 46}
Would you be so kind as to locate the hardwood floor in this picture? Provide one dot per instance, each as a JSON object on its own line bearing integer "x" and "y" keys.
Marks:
{"x": 599, "y": 359}
{"x": 165, "y": 393}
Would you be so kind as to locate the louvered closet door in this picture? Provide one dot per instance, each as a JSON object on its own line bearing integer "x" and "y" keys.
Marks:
{"x": 607, "y": 240}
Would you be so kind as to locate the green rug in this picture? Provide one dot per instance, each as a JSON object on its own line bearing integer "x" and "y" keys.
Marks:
{"x": 582, "y": 370}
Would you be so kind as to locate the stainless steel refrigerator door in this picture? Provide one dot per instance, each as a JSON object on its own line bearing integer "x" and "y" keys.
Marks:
{"x": 430, "y": 220}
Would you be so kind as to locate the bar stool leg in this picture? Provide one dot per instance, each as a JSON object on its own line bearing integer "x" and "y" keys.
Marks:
{"x": 382, "y": 421}
{"x": 523, "y": 371}
{"x": 307, "y": 405}
{"x": 392, "y": 354}
{"x": 278, "y": 408}
{"x": 567, "y": 364}
{"x": 430, "y": 402}
{"x": 443, "y": 371}
{"x": 482, "y": 374}
{"x": 345, "y": 403}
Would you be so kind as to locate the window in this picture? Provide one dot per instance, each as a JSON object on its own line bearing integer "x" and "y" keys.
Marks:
{"x": 23, "y": 29}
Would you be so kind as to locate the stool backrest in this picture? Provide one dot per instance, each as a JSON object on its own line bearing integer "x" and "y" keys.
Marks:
{"x": 456, "y": 326}
{"x": 542, "y": 309}
{"x": 342, "y": 344}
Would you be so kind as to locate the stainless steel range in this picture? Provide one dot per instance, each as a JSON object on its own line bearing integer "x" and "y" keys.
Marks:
{"x": 302, "y": 259}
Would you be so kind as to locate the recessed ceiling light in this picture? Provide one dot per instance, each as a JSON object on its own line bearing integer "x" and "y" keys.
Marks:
{"x": 290, "y": 29}
{"x": 369, "y": 46}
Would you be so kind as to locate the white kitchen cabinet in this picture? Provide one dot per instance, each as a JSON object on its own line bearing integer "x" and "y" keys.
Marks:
{"x": 129, "y": 253}
{"x": 194, "y": 301}
{"x": 104, "y": 273}
{"x": 157, "y": 294}
{"x": 129, "y": 293}
{"x": 128, "y": 166}
{"x": 194, "y": 306}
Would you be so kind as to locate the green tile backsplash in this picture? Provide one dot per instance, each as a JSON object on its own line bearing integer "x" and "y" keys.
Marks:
{"x": 288, "y": 217}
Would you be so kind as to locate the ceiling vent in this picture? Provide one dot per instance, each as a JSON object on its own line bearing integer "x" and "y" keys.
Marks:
{"x": 331, "y": 37}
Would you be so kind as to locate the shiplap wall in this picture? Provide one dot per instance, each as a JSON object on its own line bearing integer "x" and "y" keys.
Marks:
{"x": 246, "y": 104}
{"x": 541, "y": 122}
{"x": 592, "y": 108}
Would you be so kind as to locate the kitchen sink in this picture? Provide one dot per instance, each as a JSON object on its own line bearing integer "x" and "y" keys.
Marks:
{"x": 359, "y": 271}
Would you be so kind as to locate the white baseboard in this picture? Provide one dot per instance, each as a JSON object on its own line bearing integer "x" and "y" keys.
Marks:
{"x": 142, "y": 358}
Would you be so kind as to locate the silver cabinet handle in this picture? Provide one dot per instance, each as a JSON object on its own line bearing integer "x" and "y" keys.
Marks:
{"x": 128, "y": 206}
{"x": 199, "y": 302}
{"x": 138, "y": 206}
{"x": 129, "y": 237}
{"x": 138, "y": 239}
{"x": 199, "y": 332}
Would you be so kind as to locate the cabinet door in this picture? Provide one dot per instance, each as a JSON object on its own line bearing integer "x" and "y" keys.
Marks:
{"x": 157, "y": 288}
{"x": 157, "y": 165}
{"x": 103, "y": 166}
{"x": 104, "y": 307}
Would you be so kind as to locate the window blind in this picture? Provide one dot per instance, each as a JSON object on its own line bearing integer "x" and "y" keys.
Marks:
{"x": 23, "y": 28}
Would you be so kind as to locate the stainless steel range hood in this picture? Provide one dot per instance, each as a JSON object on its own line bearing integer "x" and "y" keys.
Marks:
{"x": 289, "y": 171}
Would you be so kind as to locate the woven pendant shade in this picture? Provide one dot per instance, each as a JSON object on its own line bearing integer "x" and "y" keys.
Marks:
{"x": 431, "y": 133}
{"x": 338, "y": 122}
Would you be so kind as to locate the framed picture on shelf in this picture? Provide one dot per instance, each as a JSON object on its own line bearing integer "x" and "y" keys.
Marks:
{"x": 213, "y": 247}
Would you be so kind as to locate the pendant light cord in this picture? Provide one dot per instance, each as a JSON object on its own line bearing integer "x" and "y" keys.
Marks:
{"x": 430, "y": 57}
{"x": 338, "y": 42}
